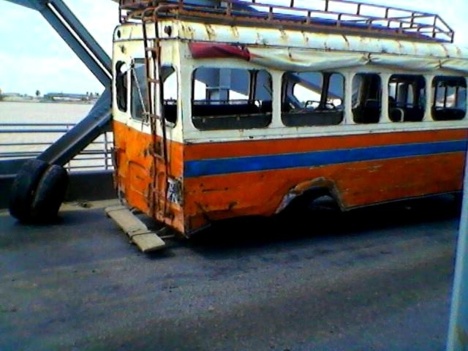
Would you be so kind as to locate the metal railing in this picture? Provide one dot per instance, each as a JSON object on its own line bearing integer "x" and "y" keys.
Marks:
{"x": 342, "y": 16}
{"x": 29, "y": 140}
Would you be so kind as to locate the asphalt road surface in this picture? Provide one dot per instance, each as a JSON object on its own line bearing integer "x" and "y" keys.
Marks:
{"x": 373, "y": 279}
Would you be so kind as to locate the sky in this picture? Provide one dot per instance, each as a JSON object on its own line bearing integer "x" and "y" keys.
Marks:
{"x": 34, "y": 57}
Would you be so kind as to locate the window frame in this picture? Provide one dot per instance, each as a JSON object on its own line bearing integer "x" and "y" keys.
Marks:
{"x": 248, "y": 112}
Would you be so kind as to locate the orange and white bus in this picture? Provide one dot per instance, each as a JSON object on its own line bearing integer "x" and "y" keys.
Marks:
{"x": 237, "y": 109}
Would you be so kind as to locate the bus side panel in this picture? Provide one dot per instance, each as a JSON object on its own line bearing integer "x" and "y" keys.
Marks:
{"x": 356, "y": 184}
{"x": 251, "y": 178}
{"x": 213, "y": 150}
{"x": 134, "y": 163}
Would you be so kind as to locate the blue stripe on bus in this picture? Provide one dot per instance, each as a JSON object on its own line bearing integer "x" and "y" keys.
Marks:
{"x": 198, "y": 168}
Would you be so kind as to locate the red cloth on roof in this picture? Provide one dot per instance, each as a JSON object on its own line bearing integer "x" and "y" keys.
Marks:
{"x": 210, "y": 50}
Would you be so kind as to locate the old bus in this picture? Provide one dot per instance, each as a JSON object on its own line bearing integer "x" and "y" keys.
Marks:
{"x": 236, "y": 108}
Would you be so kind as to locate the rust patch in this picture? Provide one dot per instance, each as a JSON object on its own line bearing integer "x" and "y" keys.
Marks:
{"x": 235, "y": 32}
{"x": 319, "y": 183}
{"x": 214, "y": 190}
{"x": 346, "y": 40}
{"x": 284, "y": 35}
{"x": 446, "y": 51}
{"x": 187, "y": 31}
{"x": 315, "y": 183}
{"x": 210, "y": 32}
{"x": 157, "y": 147}
{"x": 260, "y": 39}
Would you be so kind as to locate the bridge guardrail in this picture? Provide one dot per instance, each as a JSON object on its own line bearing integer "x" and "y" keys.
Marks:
{"x": 27, "y": 140}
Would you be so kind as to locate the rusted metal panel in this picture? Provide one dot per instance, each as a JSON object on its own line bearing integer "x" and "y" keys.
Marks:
{"x": 273, "y": 39}
{"x": 223, "y": 186}
{"x": 134, "y": 176}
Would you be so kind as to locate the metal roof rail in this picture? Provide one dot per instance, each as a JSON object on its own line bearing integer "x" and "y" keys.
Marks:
{"x": 330, "y": 16}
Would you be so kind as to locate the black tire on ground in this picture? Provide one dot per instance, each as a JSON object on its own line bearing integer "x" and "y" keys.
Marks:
{"x": 49, "y": 195}
{"x": 24, "y": 187}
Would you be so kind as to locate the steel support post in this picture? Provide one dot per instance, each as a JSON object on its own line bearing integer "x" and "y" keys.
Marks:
{"x": 82, "y": 134}
{"x": 67, "y": 25}
{"x": 458, "y": 325}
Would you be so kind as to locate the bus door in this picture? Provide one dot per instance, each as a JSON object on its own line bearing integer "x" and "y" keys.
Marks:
{"x": 140, "y": 136}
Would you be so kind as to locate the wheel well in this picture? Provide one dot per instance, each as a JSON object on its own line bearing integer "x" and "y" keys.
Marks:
{"x": 304, "y": 194}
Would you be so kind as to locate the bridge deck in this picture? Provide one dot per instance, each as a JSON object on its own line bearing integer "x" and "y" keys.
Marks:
{"x": 379, "y": 279}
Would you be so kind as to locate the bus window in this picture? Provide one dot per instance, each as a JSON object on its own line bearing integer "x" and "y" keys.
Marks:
{"x": 312, "y": 99}
{"x": 121, "y": 85}
{"x": 170, "y": 88}
{"x": 449, "y": 98}
{"x": 139, "y": 92}
{"x": 366, "y": 101}
{"x": 231, "y": 98}
{"x": 139, "y": 97}
{"x": 406, "y": 98}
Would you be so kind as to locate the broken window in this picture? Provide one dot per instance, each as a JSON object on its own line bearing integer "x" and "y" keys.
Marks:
{"x": 139, "y": 93}
{"x": 312, "y": 99}
{"x": 169, "y": 93}
{"x": 367, "y": 98}
{"x": 231, "y": 98}
{"x": 139, "y": 97}
{"x": 449, "y": 98}
{"x": 406, "y": 98}
{"x": 121, "y": 85}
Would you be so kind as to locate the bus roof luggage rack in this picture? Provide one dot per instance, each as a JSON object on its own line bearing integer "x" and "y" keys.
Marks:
{"x": 330, "y": 16}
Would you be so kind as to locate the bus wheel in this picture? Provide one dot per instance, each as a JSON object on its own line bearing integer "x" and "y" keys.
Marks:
{"x": 24, "y": 187}
{"x": 50, "y": 194}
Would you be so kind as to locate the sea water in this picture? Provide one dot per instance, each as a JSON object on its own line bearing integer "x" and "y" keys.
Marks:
{"x": 35, "y": 137}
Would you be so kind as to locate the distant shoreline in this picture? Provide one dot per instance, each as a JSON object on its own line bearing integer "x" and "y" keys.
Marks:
{"x": 39, "y": 101}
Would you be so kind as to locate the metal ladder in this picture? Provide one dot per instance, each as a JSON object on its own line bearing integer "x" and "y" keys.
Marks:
{"x": 152, "y": 59}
